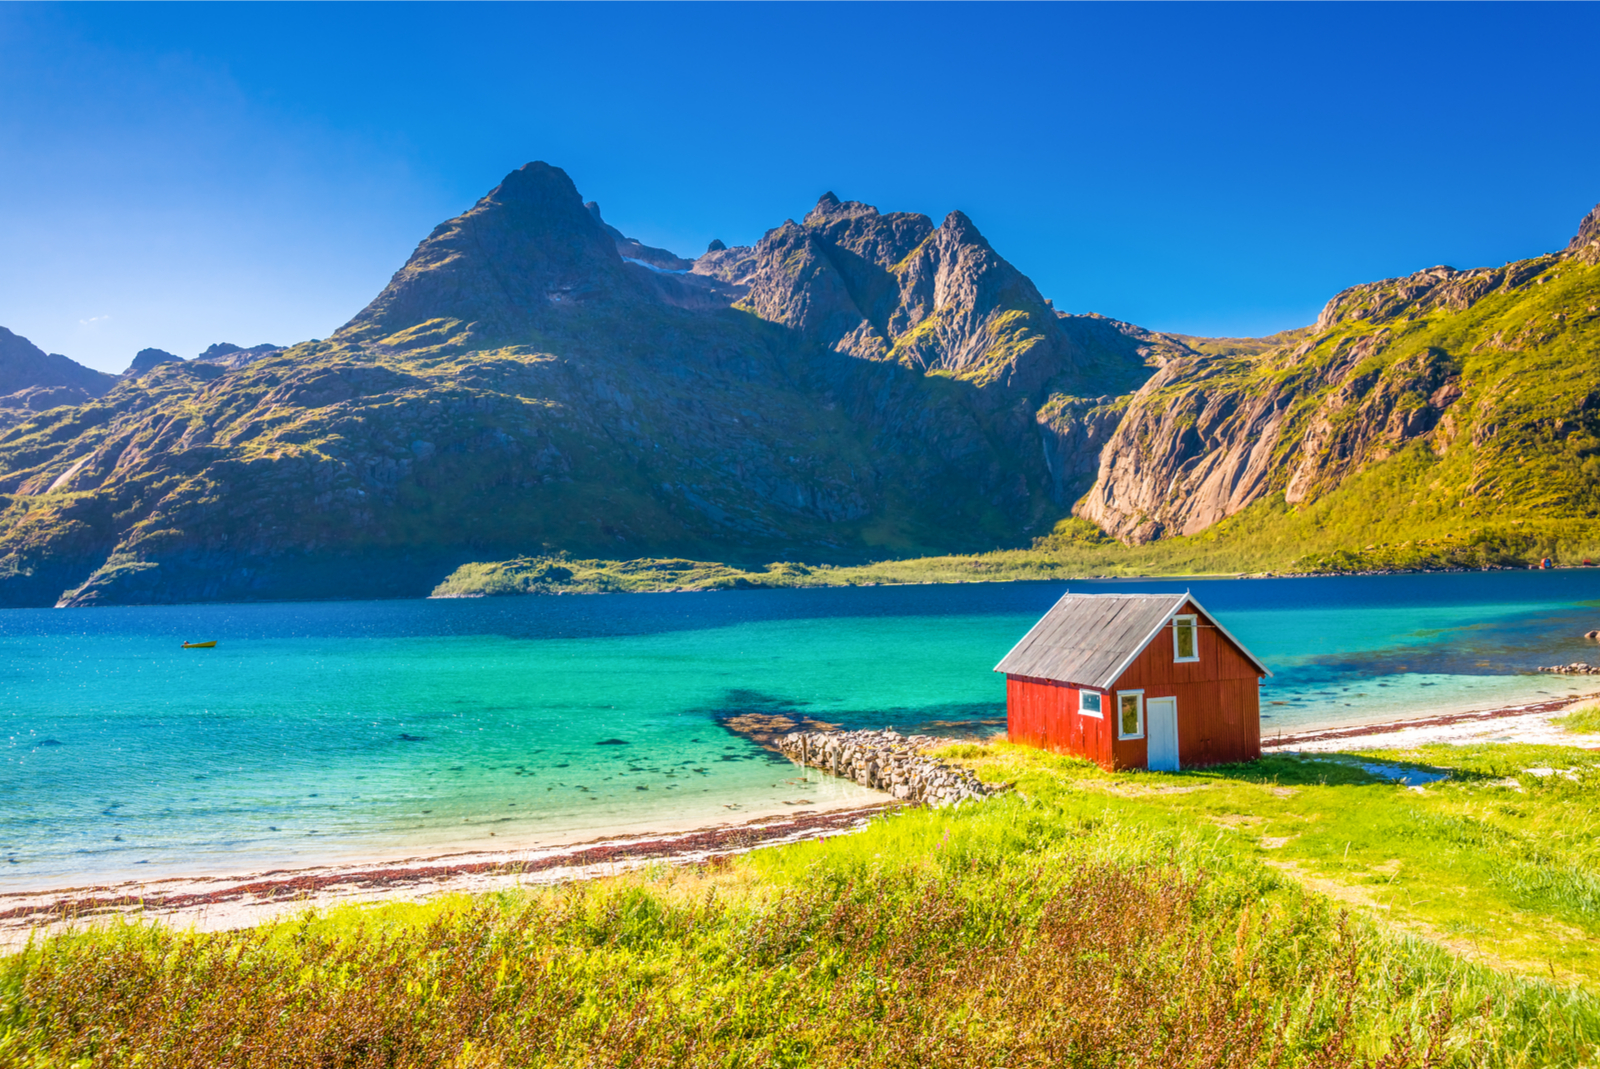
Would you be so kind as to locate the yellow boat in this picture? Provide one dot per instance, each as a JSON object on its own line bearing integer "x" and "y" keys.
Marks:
{"x": 199, "y": 645}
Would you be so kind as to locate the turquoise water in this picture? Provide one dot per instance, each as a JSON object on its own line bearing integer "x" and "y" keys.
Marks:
{"x": 315, "y": 730}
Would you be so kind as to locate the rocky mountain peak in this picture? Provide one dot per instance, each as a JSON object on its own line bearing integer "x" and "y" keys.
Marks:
{"x": 830, "y": 207}
{"x": 32, "y": 380}
{"x": 526, "y": 252}
{"x": 23, "y": 365}
{"x": 537, "y": 187}
{"x": 229, "y": 355}
{"x": 1586, "y": 243}
{"x": 894, "y": 287}
{"x": 146, "y": 359}
{"x": 533, "y": 377}
{"x": 963, "y": 230}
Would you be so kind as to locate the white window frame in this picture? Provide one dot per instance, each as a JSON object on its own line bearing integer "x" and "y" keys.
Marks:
{"x": 1138, "y": 694}
{"x": 1194, "y": 624}
{"x": 1100, "y": 701}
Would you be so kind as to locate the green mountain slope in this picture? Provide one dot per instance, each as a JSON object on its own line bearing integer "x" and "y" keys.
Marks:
{"x": 1438, "y": 402}
{"x": 862, "y": 385}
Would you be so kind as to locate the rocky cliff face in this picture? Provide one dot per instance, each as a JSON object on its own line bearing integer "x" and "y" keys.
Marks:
{"x": 852, "y": 385}
{"x": 1488, "y": 369}
{"x": 1585, "y": 244}
{"x": 936, "y": 300}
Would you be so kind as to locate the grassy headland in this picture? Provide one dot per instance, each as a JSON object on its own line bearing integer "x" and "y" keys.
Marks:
{"x": 1289, "y": 912}
{"x": 1265, "y": 538}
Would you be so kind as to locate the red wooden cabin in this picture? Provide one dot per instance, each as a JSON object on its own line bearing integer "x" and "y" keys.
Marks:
{"x": 1134, "y": 681}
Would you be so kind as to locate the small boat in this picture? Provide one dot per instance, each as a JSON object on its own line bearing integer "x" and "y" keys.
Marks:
{"x": 199, "y": 645}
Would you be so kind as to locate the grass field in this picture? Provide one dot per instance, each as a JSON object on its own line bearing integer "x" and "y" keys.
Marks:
{"x": 1288, "y": 912}
{"x": 1583, "y": 720}
{"x": 1262, "y": 539}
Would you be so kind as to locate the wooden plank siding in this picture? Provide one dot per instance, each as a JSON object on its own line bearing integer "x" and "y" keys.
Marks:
{"x": 1044, "y": 713}
{"x": 1218, "y": 700}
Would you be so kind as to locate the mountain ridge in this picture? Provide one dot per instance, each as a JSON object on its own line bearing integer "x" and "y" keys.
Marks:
{"x": 32, "y": 380}
{"x": 519, "y": 385}
{"x": 1431, "y": 363}
{"x": 854, "y": 386}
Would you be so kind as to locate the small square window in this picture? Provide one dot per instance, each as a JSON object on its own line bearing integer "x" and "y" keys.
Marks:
{"x": 1089, "y": 702}
{"x": 1130, "y": 714}
{"x": 1185, "y": 638}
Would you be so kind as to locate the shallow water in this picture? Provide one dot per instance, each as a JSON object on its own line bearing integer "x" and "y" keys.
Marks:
{"x": 319, "y": 729}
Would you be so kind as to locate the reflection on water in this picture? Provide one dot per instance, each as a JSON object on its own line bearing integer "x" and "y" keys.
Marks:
{"x": 316, "y": 728}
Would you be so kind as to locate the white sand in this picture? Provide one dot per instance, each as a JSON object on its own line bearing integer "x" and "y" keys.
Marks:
{"x": 1530, "y": 724}
{"x": 218, "y": 902}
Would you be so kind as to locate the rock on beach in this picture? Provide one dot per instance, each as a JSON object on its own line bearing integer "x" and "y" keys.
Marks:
{"x": 886, "y": 761}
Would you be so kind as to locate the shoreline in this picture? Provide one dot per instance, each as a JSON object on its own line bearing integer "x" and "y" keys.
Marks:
{"x": 227, "y": 900}
{"x": 219, "y": 902}
{"x": 1526, "y": 723}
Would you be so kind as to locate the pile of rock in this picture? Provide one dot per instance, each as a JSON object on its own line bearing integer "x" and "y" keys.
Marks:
{"x": 1576, "y": 668}
{"x": 887, "y": 761}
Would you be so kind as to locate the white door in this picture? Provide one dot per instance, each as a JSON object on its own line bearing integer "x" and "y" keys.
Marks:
{"x": 1161, "y": 733}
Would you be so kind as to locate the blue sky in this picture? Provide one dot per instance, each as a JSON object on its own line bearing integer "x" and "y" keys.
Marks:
{"x": 174, "y": 176}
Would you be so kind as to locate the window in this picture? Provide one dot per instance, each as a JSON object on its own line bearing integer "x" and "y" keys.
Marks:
{"x": 1185, "y": 638}
{"x": 1089, "y": 702}
{"x": 1130, "y": 714}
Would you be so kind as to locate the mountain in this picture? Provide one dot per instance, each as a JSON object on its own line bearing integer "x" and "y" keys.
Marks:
{"x": 635, "y": 251}
{"x": 32, "y": 380}
{"x": 234, "y": 356}
{"x": 853, "y": 385}
{"x": 145, "y": 359}
{"x": 1445, "y": 397}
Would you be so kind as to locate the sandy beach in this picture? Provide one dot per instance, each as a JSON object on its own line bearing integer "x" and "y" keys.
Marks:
{"x": 212, "y": 902}
{"x": 1529, "y": 723}
{"x": 217, "y": 902}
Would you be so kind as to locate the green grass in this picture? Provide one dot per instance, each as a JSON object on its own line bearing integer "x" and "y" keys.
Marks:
{"x": 1263, "y": 539}
{"x": 1287, "y": 912}
{"x": 1493, "y": 861}
{"x": 1584, "y": 720}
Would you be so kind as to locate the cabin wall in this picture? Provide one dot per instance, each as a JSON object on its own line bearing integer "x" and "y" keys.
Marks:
{"x": 1044, "y": 713}
{"x": 1219, "y": 700}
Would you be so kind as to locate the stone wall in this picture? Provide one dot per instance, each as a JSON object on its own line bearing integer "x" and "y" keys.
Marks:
{"x": 886, "y": 761}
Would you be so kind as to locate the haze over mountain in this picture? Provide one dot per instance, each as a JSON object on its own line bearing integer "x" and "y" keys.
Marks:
{"x": 856, "y": 384}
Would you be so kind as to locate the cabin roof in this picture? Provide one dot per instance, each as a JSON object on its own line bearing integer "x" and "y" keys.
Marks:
{"x": 1091, "y": 639}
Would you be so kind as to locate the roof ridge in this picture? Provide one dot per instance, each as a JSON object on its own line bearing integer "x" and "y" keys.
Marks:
{"x": 1120, "y": 594}
{"x": 1085, "y": 640}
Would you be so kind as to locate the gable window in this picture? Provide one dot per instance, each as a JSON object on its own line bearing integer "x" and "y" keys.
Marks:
{"x": 1089, "y": 703}
{"x": 1130, "y": 714}
{"x": 1185, "y": 638}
